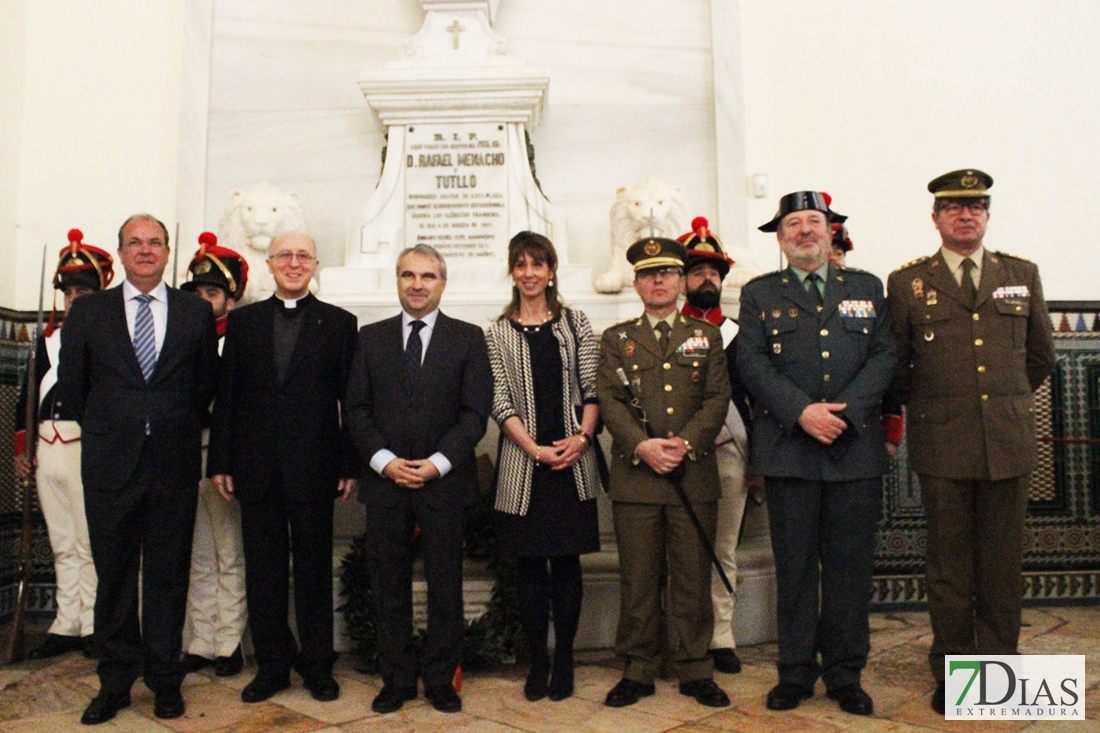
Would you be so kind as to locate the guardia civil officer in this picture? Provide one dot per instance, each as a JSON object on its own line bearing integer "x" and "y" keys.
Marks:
{"x": 816, "y": 355}
{"x": 974, "y": 343}
{"x": 676, "y": 369}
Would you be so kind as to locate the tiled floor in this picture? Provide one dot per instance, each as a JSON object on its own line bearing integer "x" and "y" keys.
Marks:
{"x": 49, "y": 697}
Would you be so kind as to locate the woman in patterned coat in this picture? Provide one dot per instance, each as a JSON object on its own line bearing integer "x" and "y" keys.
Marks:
{"x": 544, "y": 359}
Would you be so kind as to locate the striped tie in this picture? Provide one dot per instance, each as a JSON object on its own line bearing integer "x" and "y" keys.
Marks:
{"x": 145, "y": 340}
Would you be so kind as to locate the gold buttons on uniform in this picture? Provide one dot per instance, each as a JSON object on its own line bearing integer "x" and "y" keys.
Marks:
{"x": 981, "y": 369}
{"x": 775, "y": 331}
{"x": 977, "y": 342}
{"x": 985, "y": 398}
{"x": 826, "y": 378}
{"x": 668, "y": 388}
{"x": 824, "y": 354}
{"x": 1019, "y": 308}
{"x": 635, "y": 367}
{"x": 824, "y": 332}
{"x": 695, "y": 363}
{"x": 976, "y": 316}
{"x": 667, "y": 365}
{"x": 671, "y": 410}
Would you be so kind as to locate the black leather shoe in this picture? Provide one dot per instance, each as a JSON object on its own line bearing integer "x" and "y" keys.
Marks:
{"x": 391, "y": 698}
{"x": 725, "y": 660}
{"x": 706, "y": 693}
{"x": 787, "y": 696}
{"x": 91, "y": 648}
{"x": 104, "y": 707}
{"x": 56, "y": 645}
{"x": 193, "y": 663}
{"x": 323, "y": 689}
{"x": 263, "y": 687}
{"x": 627, "y": 692}
{"x": 444, "y": 698}
{"x": 168, "y": 703}
{"x": 853, "y": 699}
{"x": 229, "y": 666}
{"x": 536, "y": 687}
{"x": 939, "y": 699}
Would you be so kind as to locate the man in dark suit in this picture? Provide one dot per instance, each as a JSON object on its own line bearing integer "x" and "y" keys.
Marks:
{"x": 278, "y": 446}
{"x": 677, "y": 371}
{"x": 816, "y": 354}
{"x": 137, "y": 371}
{"x": 974, "y": 343}
{"x": 419, "y": 397}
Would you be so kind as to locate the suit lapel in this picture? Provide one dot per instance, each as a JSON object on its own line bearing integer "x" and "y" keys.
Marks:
{"x": 646, "y": 338}
{"x": 681, "y": 331}
{"x": 173, "y": 334}
{"x": 120, "y": 333}
{"x": 796, "y": 292}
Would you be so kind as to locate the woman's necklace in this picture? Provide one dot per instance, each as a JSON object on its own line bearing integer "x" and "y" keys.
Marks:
{"x": 533, "y": 327}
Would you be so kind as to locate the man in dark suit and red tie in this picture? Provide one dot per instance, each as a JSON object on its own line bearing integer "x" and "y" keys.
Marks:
{"x": 278, "y": 447}
{"x": 137, "y": 371}
{"x": 419, "y": 398}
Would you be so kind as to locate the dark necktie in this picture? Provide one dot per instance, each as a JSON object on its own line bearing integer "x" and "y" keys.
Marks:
{"x": 663, "y": 328}
{"x": 812, "y": 280}
{"x": 414, "y": 350}
{"x": 145, "y": 339}
{"x": 970, "y": 293}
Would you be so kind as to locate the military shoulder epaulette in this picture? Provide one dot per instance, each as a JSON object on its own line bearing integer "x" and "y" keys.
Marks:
{"x": 914, "y": 262}
{"x": 621, "y": 324}
{"x": 773, "y": 273}
{"x": 856, "y": 270}
{"x": 1012, "y": 256}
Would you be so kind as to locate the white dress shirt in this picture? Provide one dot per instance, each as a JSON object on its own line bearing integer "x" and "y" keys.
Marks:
{"x": 381, "y": 459}
{"x": 158, "y": 306}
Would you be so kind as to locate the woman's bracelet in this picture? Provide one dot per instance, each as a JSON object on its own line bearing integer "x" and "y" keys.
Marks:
{"x": 538, "y": 452}
{"x": 584, "y": 436}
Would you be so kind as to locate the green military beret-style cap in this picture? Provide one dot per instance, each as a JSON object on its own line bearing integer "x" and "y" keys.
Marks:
{"x": 966, "y": 183}
{"x": 654, "y": 252}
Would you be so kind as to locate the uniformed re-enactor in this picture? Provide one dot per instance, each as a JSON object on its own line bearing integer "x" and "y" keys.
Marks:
{"x": 816, "y": 355}
{"x": 974, "y": 343}
{"x": 681, "y": 379}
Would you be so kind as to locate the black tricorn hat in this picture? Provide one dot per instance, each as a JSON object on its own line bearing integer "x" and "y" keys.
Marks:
{"x": 802, "y": 201}
{"x": 968, "y": 183}
{"x": 653, "y": 252}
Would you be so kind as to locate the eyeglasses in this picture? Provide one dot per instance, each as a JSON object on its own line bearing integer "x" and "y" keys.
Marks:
{"x": 954, "y": 207}
{"x": 284, "y": 258}
{"x": 662, "y": 271}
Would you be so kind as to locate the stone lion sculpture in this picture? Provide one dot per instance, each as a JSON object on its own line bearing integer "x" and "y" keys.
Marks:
{"x": 634, "y": 208}
{"x": 252, "y": 219}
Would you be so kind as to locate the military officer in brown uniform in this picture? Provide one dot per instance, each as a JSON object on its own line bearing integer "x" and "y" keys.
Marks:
{"x": 816, "y": 355}
{"x": 676, "y": 368}
{"x": 974, "y": 343}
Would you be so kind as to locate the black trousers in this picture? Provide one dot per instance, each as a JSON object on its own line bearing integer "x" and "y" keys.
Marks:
{"x": 272, "y": 530}
{"x": 823, "y": 538}
{"x": 974, "y": 565}
{"x": 389, "y": 551}
{"x": 146, "y": 525}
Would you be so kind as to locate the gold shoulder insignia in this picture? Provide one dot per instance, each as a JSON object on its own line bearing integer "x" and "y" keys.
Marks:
{"x": 914, "y": 262}
{"x": 1012, "y": 256}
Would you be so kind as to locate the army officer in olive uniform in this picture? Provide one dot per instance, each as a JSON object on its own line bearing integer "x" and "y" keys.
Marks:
{"x": 816, "y": 355}
{"x": 974, "y": 343}
{"x": 676, "y": 368}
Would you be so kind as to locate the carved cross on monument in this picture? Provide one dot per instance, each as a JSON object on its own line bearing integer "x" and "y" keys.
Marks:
{"x": 454, "y": 30}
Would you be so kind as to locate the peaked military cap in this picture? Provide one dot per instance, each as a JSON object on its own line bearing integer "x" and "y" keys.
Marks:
{"x": 966, "y": 183}
{"x": 654, "y": 252}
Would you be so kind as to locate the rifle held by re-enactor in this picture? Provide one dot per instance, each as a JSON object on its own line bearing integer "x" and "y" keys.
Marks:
{"x": 15, "y": 646}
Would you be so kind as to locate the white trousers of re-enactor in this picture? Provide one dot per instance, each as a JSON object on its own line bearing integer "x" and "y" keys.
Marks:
{"x": 61, "y": 496}
{"x": 731, "y": 508}
{"x": 216, "y": 609}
